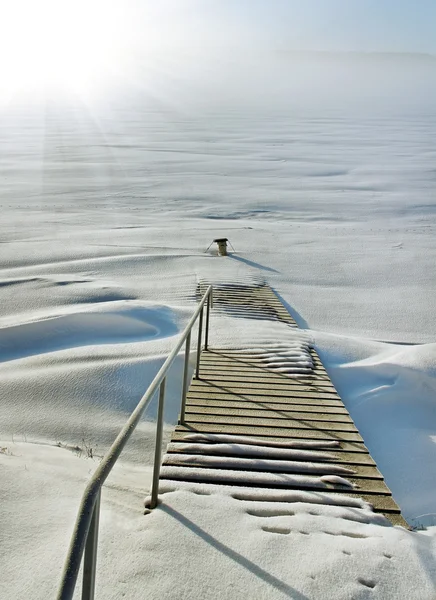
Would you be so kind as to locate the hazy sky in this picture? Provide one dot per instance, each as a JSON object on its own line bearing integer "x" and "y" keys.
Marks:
{"x": 169, "y": 43}
{"x": 359, "y": 25}
{"x": 377, "y": 25}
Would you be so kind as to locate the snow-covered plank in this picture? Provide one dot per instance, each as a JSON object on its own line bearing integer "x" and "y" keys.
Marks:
{"x": 271, "y": 465}
{"x": 238, "y": 449}
{"x": 249, "y": 478}
{"x": 257, "y": 464}
{"x": 276, "y": 479}
{"x": 259, "y": 450}
{"x": 275, "y": 440}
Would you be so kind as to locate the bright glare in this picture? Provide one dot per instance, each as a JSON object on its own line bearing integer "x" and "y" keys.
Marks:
{"x": 76, "y": 44}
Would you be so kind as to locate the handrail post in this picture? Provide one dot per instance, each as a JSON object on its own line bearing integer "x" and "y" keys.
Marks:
{"x": 90, "y": 558}
{"x": 185, "y": 378}
{"x": 206, "y": 338}
{"x": 158, "y": 447}
{"x": 200, "y": 334}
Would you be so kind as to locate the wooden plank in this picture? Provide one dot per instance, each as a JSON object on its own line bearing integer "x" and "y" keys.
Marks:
{"x": 254, "y": 363}
{"x": 276, "y": 380}
{"x": 267, "y": 365}
{"x": 256, "y": 359}
{"x": 292, "y": 387}
{"x": 229, "y": 297}
{"x": 271, "y": 422}
{"x": 264, "y": 367}
{"x": 265, "y": 413}
{"x": 237, "y": 402}
{"x": 234, "y": 302}
{"x": 247, "y": 361}
{"x": 267, "y": 387}
{"x": 283, "y": 432}
{"x": 359, "y": 447}
{"x": 255, "y": 352}
{"x": 361, "y": 472}
{"x": 266, "y": 372}
{"x": 341, "y": 457}
{"x": 222, "y": 476}
{"x": 297, "y": 396}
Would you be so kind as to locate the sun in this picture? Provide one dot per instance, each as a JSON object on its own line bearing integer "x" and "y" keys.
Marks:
{"x": 73, "y": 44}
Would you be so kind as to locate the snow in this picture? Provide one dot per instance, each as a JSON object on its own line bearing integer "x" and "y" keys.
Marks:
{"x": 297, "y": 549}
{"x": 90, "y": 328}
{"x": 390, "y": 392}
{"x": 265, "y": 494}
{"x": 290, "y": 356}
{"x": 106, "y": 215}
{"x": 244, "y": 440}
{"x": 246, "y": 450}
{"x": 41, "y": 490}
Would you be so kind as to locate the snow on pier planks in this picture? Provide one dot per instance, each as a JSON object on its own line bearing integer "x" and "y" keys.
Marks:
{"x": 270, "y": 418}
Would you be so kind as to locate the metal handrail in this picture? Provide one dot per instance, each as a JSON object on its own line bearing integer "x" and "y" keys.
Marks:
{"x": 84, "y": 539}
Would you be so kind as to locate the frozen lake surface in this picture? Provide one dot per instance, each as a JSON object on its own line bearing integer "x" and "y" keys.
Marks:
{"x": 106, "y": 216}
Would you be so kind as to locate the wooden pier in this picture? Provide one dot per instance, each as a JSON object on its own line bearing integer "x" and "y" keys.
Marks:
{"x": 247, "y": 424}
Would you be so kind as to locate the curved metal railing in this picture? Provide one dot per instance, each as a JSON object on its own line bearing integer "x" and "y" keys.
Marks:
{"x": 84, "y": 540}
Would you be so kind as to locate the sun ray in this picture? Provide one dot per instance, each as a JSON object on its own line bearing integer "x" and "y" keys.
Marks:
{"x": 61, "y": 44}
